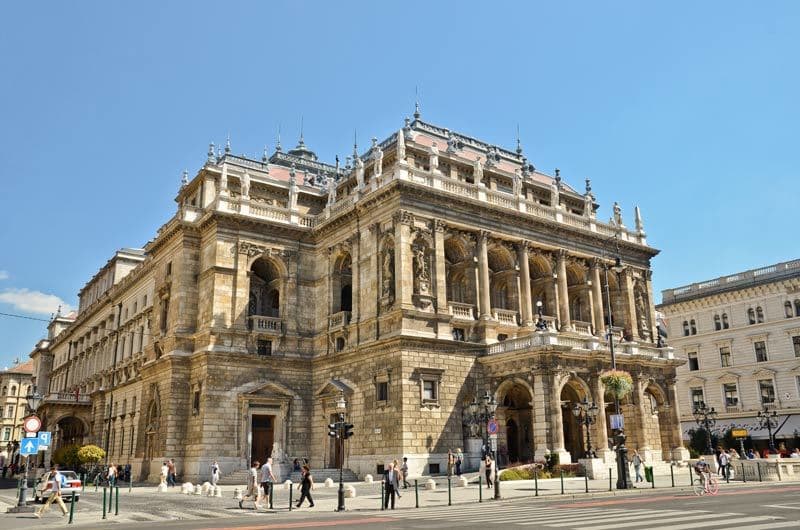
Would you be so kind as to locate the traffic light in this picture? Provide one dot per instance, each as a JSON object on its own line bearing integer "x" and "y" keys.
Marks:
{"x": 333, "y": 430}
{"x": 348, "y": 430}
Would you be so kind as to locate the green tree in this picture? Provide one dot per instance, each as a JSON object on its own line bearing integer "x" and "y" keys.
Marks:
{"x": 67, "y": 456}
{"x": 698, "y": 442}
{"x": 91, "y": 454}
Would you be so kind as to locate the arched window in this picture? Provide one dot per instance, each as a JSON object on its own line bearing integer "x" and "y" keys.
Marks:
{"x": 342, "y": 284}
{"x": 725, "y": 321}
{"x": 787, "y": 309}
{"x": 693, "y": 324}
{"x": 751, "y": 316}
{"x": 759, "y": 314}
{"x": 797, "y": 307}
{"x": 265, "y": 283}
{"x": 13, "y": 391}
{"x": 717, "y": 323}
{"x": 685, "y": 328}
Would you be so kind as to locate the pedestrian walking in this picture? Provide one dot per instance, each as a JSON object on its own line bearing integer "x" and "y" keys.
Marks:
{"x": 305, "y": 487}
{"x": 637, "y": 462}
{"x": 171, "y": 472}
{"x": 56, "y": 477}
{"x": 252, "y": 486}
{"x": 164, "y": 474}
{"x": 396, "y": 466}
{"x": 404, "y": 471}
{"x": 724, "y": 462}
{"x": 267, "y": 479}
{"x": 489, "y": 464}
{"x": 214, "y": 473}
{"x": 392, "y": 484}
{"x": 451, "y": 462}
{"x": 111, "y": 475}
{"x": 459, "y": 461}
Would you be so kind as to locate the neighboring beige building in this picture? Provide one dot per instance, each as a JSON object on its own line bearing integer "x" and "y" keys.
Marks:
{"x": 15, "y": 382}
{"x": 741, "y": 337}
{"x": 406, "y": 281}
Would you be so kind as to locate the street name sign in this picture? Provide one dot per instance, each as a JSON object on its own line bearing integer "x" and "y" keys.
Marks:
{"x": 29, "y": 446}
{"x": 739, "y": 433}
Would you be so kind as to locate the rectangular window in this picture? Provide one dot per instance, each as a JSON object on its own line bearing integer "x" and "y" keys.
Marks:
{"x": 164, "y": 314}
{"x": 796, "y": 345}
{"x": 130, "y": 445}
{"x": 196, "y": 402}
{"x": 169, "y": 268}
{"x": 694, "y": 365}
{"x": 429, "y": 390}
{"x": 725, "y": 356}
{"x": 265, "y": 347}
{"x": 697, "y": 396}
{"x": 458, "y": 334}
{"x": 10, "y": 411}
{"x": 7, "y": 434}
{"x": 731, "y": 394}
{"x": 761, "y": 351}
{"x": 767, "y": 391}
{"x": 383, "y": 391}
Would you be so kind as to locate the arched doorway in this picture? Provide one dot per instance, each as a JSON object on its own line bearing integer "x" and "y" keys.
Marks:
{"x": 574, "y": 435}
{"x": 516, "y": 416}
{"x": 71, "y": 431}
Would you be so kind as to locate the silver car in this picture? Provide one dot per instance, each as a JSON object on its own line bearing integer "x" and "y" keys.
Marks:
{"x": 42, "y": 490}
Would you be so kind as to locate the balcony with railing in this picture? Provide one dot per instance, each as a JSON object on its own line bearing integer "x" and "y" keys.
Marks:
{"x": 577, "y": 342}
{"x": 584, "y": 328}
{"x": 505, "y": 316}
{"x": 67, "y": 398}
{"x": 461, "y": 311}
{"x": 264, "y": 324}
{"x": 338, "y": 320}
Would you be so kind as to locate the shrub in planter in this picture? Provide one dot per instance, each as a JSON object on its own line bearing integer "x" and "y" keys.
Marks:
{"x": 618, "y": 382}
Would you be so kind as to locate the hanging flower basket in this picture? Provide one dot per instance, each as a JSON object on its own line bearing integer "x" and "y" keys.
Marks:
{"x": 618, "y": 382}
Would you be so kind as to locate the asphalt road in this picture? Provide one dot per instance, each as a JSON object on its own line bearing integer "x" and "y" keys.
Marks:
{"x": 757, "y": 507}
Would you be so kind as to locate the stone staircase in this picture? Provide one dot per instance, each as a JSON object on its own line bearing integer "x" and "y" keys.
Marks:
{"x": 239, "y": 478}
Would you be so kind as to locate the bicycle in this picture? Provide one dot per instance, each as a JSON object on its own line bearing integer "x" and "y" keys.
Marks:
{"x": 710, "y": 487}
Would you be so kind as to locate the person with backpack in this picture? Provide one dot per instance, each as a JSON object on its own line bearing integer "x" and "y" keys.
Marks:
{"x": 59, "y": 481}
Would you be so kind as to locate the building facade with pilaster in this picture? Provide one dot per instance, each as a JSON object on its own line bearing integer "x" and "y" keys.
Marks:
{"x": 406, "y": 281}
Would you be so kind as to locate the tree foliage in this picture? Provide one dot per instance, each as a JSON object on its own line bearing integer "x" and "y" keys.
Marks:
{"x": 91, "y": 454}
{"x": 67, "y": 456}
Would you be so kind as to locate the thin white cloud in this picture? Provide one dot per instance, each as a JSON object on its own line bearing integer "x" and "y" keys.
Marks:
{"x": 28, "y": 301}
{"x": 4, "y": 275}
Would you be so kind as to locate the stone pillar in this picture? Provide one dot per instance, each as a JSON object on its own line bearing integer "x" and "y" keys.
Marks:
{"x": 403, "y": 270}
{"x": 355, "y": 286}
{"x": 563, "y": 292}
{"x": 651, "y": 307}
{"x": 241, "y": 294}
{"x": 674, "y": 424}
{"x": 597, "y": 297}
{"x": 540, "y": 417}
{"x": 555, "y": 420}
{"x": 483, "y": 276}
{"x": 525, "y": 284}
{"x": 628, "y": 303}
{"x": 638, "y": 393}
{"x": 600, "y": 433}
{"x": 440, "y": 266}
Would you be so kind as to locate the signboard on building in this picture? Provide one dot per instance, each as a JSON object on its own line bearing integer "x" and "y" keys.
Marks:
{"x": 739, "y": 433}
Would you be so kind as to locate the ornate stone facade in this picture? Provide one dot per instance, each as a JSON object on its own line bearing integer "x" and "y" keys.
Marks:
{"x": 407, "y": 281}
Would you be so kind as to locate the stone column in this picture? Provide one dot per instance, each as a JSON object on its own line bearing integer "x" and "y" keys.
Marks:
{"x": 674, "y": 423}
{"x": 638, "y": 394}
{"x": 628, "y": 303}
{"x": 597, "y": 297}
{"x": 355, "y": 286}
{"x": 403, "y": 270}
{"x": 440, "y": 267}
{"x": 525, "y": 284}
{"x": 600, "y": 433}
{"x": 555, "y": 420}
{"x": 540, "y": 417}
{"x": 483, "y": 276}
{"x": 651, "y": 307}
{"x": 563, "y": 292}
{"x": 241, "y": 290}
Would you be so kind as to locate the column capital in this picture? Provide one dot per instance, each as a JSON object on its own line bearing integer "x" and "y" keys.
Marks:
{"x": 439, "y": 226}
{"x": 523, "y": 246}
{"x": 484, "y": 235}
{"x": 561, "y": 254}
{"x": 403, "y": 217}
{"x": 595, "y": 263}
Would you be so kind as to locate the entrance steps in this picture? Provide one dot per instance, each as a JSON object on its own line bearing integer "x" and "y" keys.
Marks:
{"x": 239, "y": 477}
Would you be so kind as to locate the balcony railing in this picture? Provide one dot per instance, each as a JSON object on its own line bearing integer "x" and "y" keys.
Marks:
{"x": 67, "y": 398}
{"x": 733, "y": 408}
{"x": 505, "y": 316}
{"x": 578, "y": 342}
{"x": 462, "y": 311}
{"x": 339, "y": 320}
{"x": 265, "y": 324}
{"x": 584, "y": 328}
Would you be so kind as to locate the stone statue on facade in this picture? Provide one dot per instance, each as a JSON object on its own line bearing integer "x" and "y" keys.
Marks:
{"x": 401, "y": 147}
{"x": 387, "y": 276}
{"x": 617, "y": 219}
{"x": 477, "y": 171}
{"x": 377, "y": 156}
{"x": 452, "y": 142}
{"x": 359, "y": 172}
{"x": 408, "y": 132}
{"x": 492, "y": 156}
{"x": 517, "y": 182}
{"x": 331, "y": 190}
{"x": 421, "y": 264}
{"x": 641, "y": 311}
{"x": 245, "y": 185}
{"x": 588, "y": 205}
{"x": 555, "y": 194}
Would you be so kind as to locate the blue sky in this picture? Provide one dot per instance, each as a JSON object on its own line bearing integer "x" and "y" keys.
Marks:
{"x": 687, "y": 109}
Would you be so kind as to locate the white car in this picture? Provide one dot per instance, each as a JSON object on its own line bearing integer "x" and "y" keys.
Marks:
{"x": 42, "y": 490}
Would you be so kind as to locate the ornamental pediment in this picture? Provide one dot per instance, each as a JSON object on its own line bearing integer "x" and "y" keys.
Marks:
{"x": 764, "y": 373}
{"x": 795, "y": 369}
{"x": 271, "y": 389}
{"x": 696, "y": 381}
{"x": 729, "y": 377}
{"x": 333, "y": 387}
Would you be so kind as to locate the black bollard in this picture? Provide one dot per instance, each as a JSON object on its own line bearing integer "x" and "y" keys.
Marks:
{"x": 383, "y": 496}
{"x": 116, "y": 500}
{"x": 744, "y": 477}
{"x": 691, "y": 478}
{"x": 71, "y": 508}
{"x": 562, "y": 482}
{"x": 104, "y": 502}
{"x": 758, "y": 465}
{"x": 586, "y": 480}
{"x": 416, "y": 492}
{"x": 291, "y": 490}
{"x": 480, "y": 489}
{"x": 536, "y": 482}
{"x": 449, "y": 493}
{"x": 610, "y": 487}
{"x": 271, "y": 497}
{"x": 672, "y": 474}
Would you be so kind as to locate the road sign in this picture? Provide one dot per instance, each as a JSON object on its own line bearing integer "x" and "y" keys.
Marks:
{"x": 491, "y": 426}
{"x": 32, "y": 424}
{"x": 29, "y": 446}
{"x": 739, "y": 433}
{"x": 44, "y": 440}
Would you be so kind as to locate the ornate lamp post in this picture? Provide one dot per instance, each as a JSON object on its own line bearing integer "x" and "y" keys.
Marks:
{"x": 623, "y": 472}
{"x": 768, "y": 420}
{"x": 341, "y": 431}
{"x": 33, "y": 401}
{"x": 706, "y": 417}
{"x": 541, "y": 325}
{"x": 481, "y": 418}
{"x": 586, "y": 414}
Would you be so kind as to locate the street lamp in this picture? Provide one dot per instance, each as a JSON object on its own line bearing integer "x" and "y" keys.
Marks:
{"x": 481, "y": 418}
{"x": 340, "y": 431}
{"x": 707, "y": 418}
{"x": 33, "y": 400}
{"x": 586, "y": 414}
{"x": 623, "y": 473}
{"x": 769, "y": 421}
{"x": 541, "y": 325}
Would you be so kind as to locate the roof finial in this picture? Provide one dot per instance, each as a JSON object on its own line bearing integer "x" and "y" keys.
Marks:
{"x": 519, "y": 144}
{"x": 416, "y": 103}
{"x": 185, "y": 178}
{"x": 355, "y": 144}
{"x": 301, "y": 142}
{"x": 278, "y": 141}
{"x": 588, "y": 186}
{"x": 228, "y": 144}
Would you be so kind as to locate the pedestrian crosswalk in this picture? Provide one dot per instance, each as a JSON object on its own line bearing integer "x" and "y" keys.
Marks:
{"x": 593, "y": 518}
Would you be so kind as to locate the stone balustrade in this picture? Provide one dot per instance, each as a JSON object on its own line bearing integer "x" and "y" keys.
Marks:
{"x": 462, "y": 311}
{"x": 265, "y": 324}
{"x": 339, "y": 320}
{"x": 505, "y": 316}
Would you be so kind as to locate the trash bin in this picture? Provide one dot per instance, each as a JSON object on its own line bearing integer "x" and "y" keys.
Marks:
{"x": 648, "y": 473}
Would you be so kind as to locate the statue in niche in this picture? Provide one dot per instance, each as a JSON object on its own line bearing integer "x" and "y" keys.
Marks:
{"x": 387, "y": 273}
{"x": 477, "y": 171}
{"x": 422, "y": 275}
{"x": 434, "y": 158}
{"x": 245, "y": 185}
{"x": 641, "y": 311}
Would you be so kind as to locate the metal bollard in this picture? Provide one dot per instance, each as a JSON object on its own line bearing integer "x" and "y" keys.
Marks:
{"x": 291, "y": 490}
{"x": 609, "y": 479}
{"x": 480, "y": 488}
{"x": 383, "y": 496}
{"x": 271, "y": 494}
{"x": 586, "y": 480}
{"x": 71, "y": 508}
{"x": 104, "y": 502}
{"x": 96, "y": 484}
{"x": 116, "y": 501}
{"x": 691, "y": 478}
{"x": 130, "y": 485}
{"x": 536, "y": 482}
{"x": 653, "y": 478}
{"x": 728, "y": 474}
{"x": 449, "y": 493}
{"x": 416, "y": 492}
{"x": 672, "y": 474}
{"x": 110, "y": 497}
{"x": 83, "y": 482}
{"x": 744, "y": 477}
{"x": 562, "y": 482}
{"x": 758, "y": 465}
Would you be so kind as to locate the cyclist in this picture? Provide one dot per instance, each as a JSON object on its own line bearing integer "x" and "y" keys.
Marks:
{"x": 702, "y": 468}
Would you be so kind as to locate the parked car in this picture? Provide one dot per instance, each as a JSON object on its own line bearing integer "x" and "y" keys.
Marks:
{"x": 42, "y": 490}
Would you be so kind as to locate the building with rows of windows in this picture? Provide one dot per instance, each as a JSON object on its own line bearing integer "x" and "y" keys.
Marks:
{"x": 15, "y": 382}
{"x": 741, "y": 337}
{"x": 423, "y": 273}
